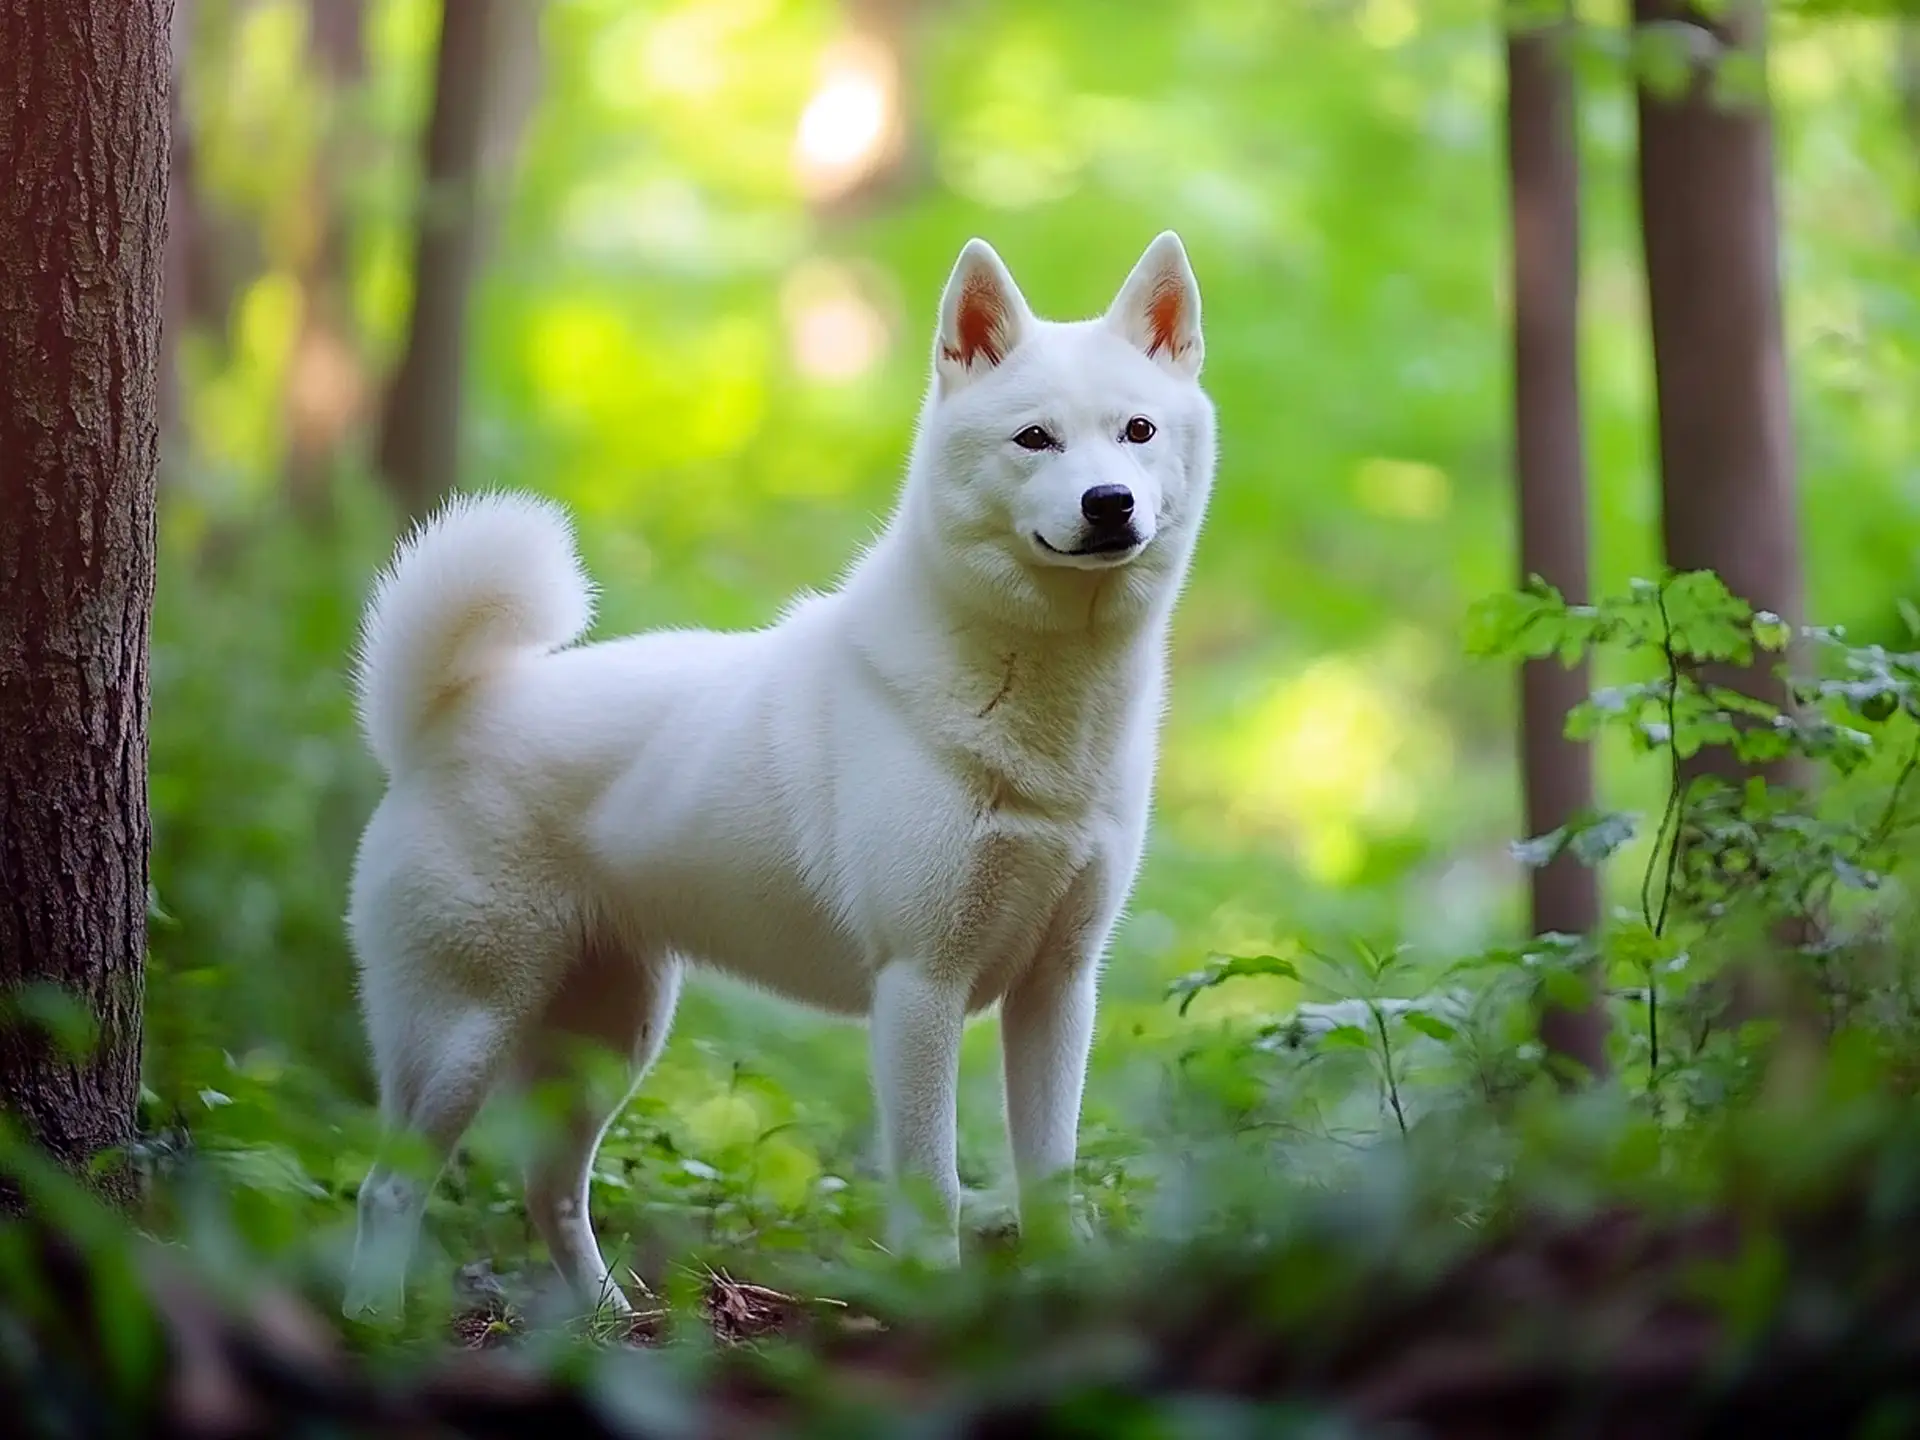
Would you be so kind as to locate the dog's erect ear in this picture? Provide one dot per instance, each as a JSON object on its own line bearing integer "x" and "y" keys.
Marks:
{"x": 1158, "y": 308}
{"x": 983, "y": 317}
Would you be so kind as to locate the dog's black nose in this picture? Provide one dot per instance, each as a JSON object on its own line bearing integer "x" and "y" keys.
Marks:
{"x": 1107, "y": 505}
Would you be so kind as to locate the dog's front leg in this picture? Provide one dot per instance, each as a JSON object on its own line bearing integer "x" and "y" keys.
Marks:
{"x": 917, "y": 1020}
{"x": 1046, "y": 1032}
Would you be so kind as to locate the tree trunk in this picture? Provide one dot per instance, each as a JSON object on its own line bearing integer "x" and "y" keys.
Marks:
{"x": 420, "y": 440}
{"x": 325, "y": 385}
{"x": 514, "y": 85}
{"x": 1550, "y": 474}
{"x": 83, "y": 143}
{"x": 901, "y": 164}
{"x": 1710, "y": 228}
{"x": 1906, "y": 84}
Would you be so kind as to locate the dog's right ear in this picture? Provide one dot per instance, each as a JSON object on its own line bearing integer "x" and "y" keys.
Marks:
{"x": 983, "y": 317}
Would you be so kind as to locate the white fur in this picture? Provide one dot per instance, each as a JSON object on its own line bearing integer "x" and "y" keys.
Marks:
{"x": 917, "y": 796}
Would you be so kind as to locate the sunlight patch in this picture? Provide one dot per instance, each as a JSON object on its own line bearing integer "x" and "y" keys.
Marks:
{"x": 1011, "y": 149}
{"x": 1333, "y": 853}
{"x": 851, "y": 123}
{"x": 1334, "y": 752}
{"x": 579, "y": 357}
{"x": 1386, "y": 24}
{"x": 835, "y": 333}
{"x": 1402, "y": 489}
{"x": 722, "y": 1123}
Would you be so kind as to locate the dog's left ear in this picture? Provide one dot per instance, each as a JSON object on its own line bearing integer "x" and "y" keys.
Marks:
{"x": 1158, "y": 309}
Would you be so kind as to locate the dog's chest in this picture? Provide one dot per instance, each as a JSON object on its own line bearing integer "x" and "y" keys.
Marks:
{"x": 1039, "y": 843}
{"x": 988, "y": 900}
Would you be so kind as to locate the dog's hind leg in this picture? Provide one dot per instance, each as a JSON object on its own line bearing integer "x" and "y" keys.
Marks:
{"x": 439, "y": 1048}
{"x": 616, "y": 1003}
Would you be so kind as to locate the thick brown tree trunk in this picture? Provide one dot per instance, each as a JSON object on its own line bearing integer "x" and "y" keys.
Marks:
{"x": 83, "y": 144}
{"x": 420, "y": 438}
{"x": 1550, "y": 474}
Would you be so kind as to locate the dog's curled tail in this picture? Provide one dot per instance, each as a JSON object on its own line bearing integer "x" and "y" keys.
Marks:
{"x": 487, "y": 577}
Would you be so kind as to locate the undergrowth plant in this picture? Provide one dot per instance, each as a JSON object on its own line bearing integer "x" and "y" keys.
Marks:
{"x": 1767, "y": 866}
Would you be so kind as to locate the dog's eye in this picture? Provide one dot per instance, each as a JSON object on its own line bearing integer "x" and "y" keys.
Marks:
{"x": 1036, "y": 437}
{"x": 1139, "y": 430}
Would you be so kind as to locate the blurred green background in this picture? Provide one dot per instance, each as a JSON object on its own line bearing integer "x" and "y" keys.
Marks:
{"x": 715, "y": 236}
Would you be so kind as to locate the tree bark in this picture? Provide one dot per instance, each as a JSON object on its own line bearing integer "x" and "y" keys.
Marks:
{"x": 1550, "y": 476}
{"x": 419, "y": 451}
{"x": 84, "y": 144}
{"x": 1710, "y": 226}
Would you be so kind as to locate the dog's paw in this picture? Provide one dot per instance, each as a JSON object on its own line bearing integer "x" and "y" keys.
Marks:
{"x": 990, "y": 1219}
{"x": 372, "y": 1302}
{"x": 931, "y": 1247}
{"x": 1052, "y": 1219}
{"x": 375, "y": 1311}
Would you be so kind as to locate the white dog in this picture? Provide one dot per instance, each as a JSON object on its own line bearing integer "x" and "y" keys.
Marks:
{"x": 915, "y": 797}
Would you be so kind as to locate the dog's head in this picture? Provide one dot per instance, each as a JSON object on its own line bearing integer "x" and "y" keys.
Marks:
{"x": 1051, "y": 449}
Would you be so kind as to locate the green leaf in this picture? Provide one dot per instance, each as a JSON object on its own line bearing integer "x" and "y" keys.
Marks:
{"x": 1349, "y": 1037}
{"x": 1853, "y": 876}
{"x": 1591, "y": 837}
{"x": 1223, "y": 968}
{"x": 272, "y": 1168}
{"x": 1707, "y": 621}
{"x": 1566, "y": 989}
{"x": 1879, "y": 706}
{"x": 1770, "y": 632}
{"x": 1523, "y": 624}
{"x": 56, "y": 1013}
{"x": 1596, "y": 839}
{"x": 1637, "y": 946}
{"x": 1427, "y": 1024}
{"x": 1541, "y": 851}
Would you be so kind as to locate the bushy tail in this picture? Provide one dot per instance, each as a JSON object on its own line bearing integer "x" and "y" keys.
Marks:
{"x": 487, "y": 577}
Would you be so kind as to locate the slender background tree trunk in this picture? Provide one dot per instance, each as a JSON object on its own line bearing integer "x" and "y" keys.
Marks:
{"x": 1710, "y": 225}
{"x": 902, "y": 163}
{"x": 84, "y": 146}
{"x": 420, "y": 439}
{"x": 1550, "y": 474}
{"x": 325, "y": 384}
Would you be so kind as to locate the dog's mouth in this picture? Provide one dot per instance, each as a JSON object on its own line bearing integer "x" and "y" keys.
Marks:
{"x": 1123, "y": 543}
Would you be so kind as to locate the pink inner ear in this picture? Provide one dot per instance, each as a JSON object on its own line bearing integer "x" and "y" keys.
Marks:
{"x": 977, "y": 324}
{"x": 1166, "y": 309}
